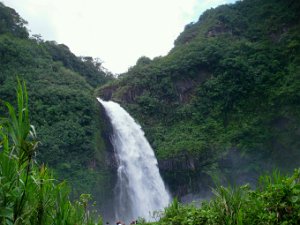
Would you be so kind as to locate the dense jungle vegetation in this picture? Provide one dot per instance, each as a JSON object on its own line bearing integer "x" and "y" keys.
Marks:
{"x": 29, "y": 194}
{"x": 64, "y": 110}
{"x": 223, "y": 103}
{"x": 225, "y": 100}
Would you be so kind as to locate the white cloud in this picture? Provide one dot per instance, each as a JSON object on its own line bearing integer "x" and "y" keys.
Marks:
{"x": 116, "y": 31}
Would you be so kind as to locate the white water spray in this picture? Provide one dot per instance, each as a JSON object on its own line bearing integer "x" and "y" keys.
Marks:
{"x": 140, "y": 189}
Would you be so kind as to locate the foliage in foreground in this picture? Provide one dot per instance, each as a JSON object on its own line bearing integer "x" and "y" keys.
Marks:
{"x": 275, "y": 201}
{"x": 28, "y": 193}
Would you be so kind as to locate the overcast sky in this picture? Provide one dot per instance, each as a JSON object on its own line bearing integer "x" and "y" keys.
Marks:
{"x": 116, "y": 31}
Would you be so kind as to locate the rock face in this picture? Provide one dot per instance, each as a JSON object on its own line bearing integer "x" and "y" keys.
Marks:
{"x": 218, "y": 29}
{"x": 106, "y": 132}
{"x": 185, "y": 87}
{"x": 184, "y": 175}
{"x": 123, "y": 94}
{"x": 184, "y": 163}
{"x": 106, "y": 92}
{"x": 129, "y": 95}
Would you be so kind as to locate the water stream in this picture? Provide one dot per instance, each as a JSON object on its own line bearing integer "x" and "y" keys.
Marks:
{"x": 140, "y": 189}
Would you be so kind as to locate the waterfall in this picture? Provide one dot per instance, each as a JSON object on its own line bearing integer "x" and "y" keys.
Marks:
{"x": 140, "y": 188}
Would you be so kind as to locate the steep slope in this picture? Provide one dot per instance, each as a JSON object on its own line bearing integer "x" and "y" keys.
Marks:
{"x": 225, "y": 100}
{"x": 64, "y": 111}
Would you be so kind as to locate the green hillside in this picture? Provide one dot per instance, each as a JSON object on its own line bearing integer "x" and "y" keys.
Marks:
{"x": 225, "y": 100}
{"x": 65, "y": 113}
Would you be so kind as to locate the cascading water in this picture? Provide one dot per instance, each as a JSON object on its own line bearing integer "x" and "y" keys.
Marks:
{"x": 140, "y": 188}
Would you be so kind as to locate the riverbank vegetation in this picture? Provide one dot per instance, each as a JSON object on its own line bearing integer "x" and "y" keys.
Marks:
{"x": 276, "y": 200}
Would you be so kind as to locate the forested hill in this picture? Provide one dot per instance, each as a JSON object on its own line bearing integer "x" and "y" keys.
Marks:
{"x": 63, "y": 108}
{"x": 226, "y": 99}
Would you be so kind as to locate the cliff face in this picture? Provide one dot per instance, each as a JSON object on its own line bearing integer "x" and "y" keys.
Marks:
{"x": 225, "y": 100}
{"x": 183, "y": 87}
